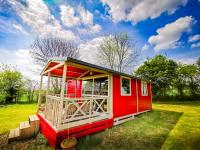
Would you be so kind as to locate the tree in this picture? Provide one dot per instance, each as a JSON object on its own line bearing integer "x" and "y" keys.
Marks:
{"x": 31, "y": 86}
{"x": 198, "y": 62}
{"x": 43, "y": 49}
{"x": 11, "y": 84}
{"x": 160, "y": 71}
{"x": 189, "y": 74}
{"x": 118, "y": 52}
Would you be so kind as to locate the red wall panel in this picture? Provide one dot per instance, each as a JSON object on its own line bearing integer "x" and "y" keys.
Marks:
{"x": 144, "y": 102}
{"x": 74, "y": 89}
{"x": 123, "y": 105}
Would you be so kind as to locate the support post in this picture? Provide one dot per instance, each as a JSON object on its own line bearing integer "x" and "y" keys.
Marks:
{"x": 62, "y": 96}
{"x": 48, "y": 84}
{"x": 47, "y": 93}
{"x": 40, "y": 92}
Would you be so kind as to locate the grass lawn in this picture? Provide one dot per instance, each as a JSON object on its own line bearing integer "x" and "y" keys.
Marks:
{"x": 12, "y": 115}
{"x": 169, "y": 126}
{"x": 186, "y": 133}
{"x": 147, "y": 131}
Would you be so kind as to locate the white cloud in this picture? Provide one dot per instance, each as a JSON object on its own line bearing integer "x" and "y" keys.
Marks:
{"x": 145, "y": 47}
{"x": 136, "y": 10}
{"x": 37, "y": 16}
{"x": 81, "y": 18}
{"x": 168, "y": 36}
{"x": 68, "y": 16}
{"x": 22, "y": 60}
{"x": 186, "y": 60}
{"x": 89, "y": 50}
{"x": 194, "y": 38}
{"x": 152, "y": 9}
{"x": 20, "y": 29}
{"x": 85, "y": 15}
{"x": 90, "y": 30}
{"x": 195, "y": 45}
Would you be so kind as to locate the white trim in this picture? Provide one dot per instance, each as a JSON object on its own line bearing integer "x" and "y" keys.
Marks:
{"x": 123, "y": 119}
{"x": 110, "y": 94}
{"x": 142, "y": 112}
{"x": 95, "y": 76}
{"x": 121, "y": 77}
{"x": 120, "y": 120}
{"x": 142, "y": 83}
{"x": 151, "y": 94}
{"x": 137, "y": 95}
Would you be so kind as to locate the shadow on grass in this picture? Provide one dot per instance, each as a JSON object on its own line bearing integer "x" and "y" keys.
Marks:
{"x": 146, "y": 131}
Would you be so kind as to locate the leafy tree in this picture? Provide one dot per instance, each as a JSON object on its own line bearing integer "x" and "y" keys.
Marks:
{"x": 198, "y": 62}
{"x": 11, "y": 84}
{"x": 118, "y": 52}
{"x": 160, "y": 71}
{"x": 190, "y": 76}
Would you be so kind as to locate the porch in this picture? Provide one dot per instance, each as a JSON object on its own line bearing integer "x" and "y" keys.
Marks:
{"x": 84, "y": 94}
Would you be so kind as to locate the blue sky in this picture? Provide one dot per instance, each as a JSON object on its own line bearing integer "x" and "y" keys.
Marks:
{"x": 171, "y": 28}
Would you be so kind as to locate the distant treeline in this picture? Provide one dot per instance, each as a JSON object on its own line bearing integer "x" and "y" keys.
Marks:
{"x": 14, "y": 87}
{"x": 171, "y": 80}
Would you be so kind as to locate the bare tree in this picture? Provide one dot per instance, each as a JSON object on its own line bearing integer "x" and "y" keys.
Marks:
{"x": 43, "y": 49}
{"x": 31, "y": 88}
{"x": 118, "y": 52}
{"x": 107, "y": 52}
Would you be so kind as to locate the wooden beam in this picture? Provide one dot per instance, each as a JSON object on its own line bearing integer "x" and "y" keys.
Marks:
{"x": 84, "y": 74}
{"x": 57, "y": 66}
{"x": 95, "y": 76}
{"x": 86, "y": 67}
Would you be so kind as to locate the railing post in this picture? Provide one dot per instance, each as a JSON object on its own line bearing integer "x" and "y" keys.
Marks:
{"x": 40, "y": 91}
{"x": 48, "y": 84}
{"x": 62, "y": 96}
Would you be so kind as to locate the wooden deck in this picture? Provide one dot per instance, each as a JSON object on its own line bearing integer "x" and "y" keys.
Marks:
{"x": 74, "y": 112}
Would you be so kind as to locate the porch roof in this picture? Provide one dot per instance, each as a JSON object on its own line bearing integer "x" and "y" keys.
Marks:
{"x": 77, "y": 68}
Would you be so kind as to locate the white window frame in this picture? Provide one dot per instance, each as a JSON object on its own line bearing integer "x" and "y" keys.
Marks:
{"x": 142, "y": 84}
{"x": 122, "y": 94}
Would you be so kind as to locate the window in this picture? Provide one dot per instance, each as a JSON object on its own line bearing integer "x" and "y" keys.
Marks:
{"x": 144, "y": 88}
{"x": 125, "y": 86}
{"x": 100, "y": 86}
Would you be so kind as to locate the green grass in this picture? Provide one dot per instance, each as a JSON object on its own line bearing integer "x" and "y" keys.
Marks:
{"x": 147, "y": 131}
{"x": 12, "y": 115}
{"x": 186, "y": 133}
{"x": 171, "y": 125}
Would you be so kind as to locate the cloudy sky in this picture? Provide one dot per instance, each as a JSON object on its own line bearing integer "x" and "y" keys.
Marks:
{"x": 168, "y": 27}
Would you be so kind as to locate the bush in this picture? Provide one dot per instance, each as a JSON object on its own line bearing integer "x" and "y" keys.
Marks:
{"x": 11, "y": 84}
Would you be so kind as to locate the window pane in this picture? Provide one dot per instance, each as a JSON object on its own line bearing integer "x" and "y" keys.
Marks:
{"x": 144, "y": 89}
{"x": 87, "y": 87}
{"x": 101, "y": 86}
{"x": 125, "y": 89}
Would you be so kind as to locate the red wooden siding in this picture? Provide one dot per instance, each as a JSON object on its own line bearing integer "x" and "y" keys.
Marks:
{"x": 74, "y": 89}
{"x": 144, "y": 102}
{"x": 123, "y": 105}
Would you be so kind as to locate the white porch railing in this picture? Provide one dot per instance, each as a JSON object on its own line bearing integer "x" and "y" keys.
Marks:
{"x": 76, "y": 111}
{"x": 52, "y": 109}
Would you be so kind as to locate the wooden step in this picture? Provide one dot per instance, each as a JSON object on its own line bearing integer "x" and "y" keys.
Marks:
{"x": 34, "y": 123}
{"x": 14, "y": 135}
{"x": 25, "y": 129}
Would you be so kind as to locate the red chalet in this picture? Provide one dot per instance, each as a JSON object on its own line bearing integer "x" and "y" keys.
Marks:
{"x": 83, "y": 98}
